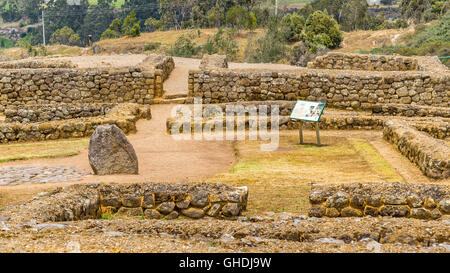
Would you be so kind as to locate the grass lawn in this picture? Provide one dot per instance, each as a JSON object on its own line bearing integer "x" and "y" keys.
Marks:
{"x": 44, "y": 149}
{"x": 280, "y": 181}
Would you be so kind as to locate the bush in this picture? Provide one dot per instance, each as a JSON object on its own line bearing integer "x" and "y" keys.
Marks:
{"x": 268, "y": 49}
{"x": 152, "y": 46}
{"x": 114, "y": 30}
{"x": 65, "y": 36}
{"x": 153, "y": 24}
{"x": 302, "y": 53}
{"x": 130, "y": 27}
{"x": 184, "y": 47}
{"x": 292, "y": 27}
{"x": 319, "y": 23}
{"x": 222, "y": 42}
{"x": 6, "y": 43}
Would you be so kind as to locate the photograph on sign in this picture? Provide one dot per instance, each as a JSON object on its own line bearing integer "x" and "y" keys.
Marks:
{"x": 307, "y": 110}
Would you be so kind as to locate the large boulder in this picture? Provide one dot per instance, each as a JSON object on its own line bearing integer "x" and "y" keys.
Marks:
{"x": 110, "y": 152}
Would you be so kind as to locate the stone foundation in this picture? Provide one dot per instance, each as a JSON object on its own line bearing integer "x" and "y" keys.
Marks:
{"x": 55, "y": 83}
{"x": 431, "y": 155}
{"x": 162, "y": 67}
{"x": 422, "y": 201}
{"x": 351, "y": 61}
{"x": 331, "y": 119}
{"x": 44, "y": 113}
{"x": 150, "y": 200}
{"x": 408, "y": 110}
{"x": 124, "y": 116}
{"x": 35, "y": 64}
{"x": 213, "y": 61}
{"x": 341, "y": 89}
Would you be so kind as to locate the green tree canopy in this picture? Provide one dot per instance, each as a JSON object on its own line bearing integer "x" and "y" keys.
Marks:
{"x": 65, "y": 36}
{"x": 320, "y": 23}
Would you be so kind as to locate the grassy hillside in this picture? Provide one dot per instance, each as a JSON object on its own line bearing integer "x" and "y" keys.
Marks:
{"x": 168, "y": 38}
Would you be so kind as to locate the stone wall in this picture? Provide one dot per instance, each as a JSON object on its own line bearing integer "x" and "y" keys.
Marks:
{"x": 34, "y": 64}
{"x": 345, "y": 89}
{"x": 213, "y": 61}
{"x": 422, "y": 201}
{"x": 431, "y": 155}
{"x": 409, "y": 110}
{"x": 53, "y": 86}
{"x": 49, "y": 112}
{"x": 151, "y": 200}
{"x": 331, "y": 119}
{"x": 350, "y": 61}
{"x": 162, "y": 67}
{"x": 124, "y": 116}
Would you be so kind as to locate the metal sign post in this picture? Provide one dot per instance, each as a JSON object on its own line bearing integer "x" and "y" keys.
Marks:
{"x": 308, "y": 111}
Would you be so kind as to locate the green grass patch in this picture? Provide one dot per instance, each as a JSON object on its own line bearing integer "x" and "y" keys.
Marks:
{"x": 279, "y": 181}
{"x": 47, "y": 149}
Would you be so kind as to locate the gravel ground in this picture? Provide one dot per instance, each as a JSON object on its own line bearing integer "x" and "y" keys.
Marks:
{"x": 282, "y": 232}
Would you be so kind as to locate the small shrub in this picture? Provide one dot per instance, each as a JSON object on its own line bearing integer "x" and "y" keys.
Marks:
{"x": 152, "y": 46}
{"x": 184, "y": 47}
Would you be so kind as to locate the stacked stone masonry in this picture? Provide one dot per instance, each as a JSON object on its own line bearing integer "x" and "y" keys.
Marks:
{"x": 43, "y": 113}
{"x": 431, "y": 155}
{"x": 150, "y": 200}
{"x": 162, "y": 66}
{"x": 408, "y": 110}
{"x": 34, "y": 64}
{"x": 341, "y": 89}
{"x": 350, "y": 61}
{"x": 421, "y": 201}
{"x": 123, "y": 115}
{"x": 52, "y": 85}
{"x": 347, "y": 61}
{"x": 331, "y": 119}
{"x": 213, "y": 61}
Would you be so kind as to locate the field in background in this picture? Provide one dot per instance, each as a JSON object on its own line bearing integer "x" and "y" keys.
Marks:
{"x": 366, "y": 40}
{"x": 168, "y": 38}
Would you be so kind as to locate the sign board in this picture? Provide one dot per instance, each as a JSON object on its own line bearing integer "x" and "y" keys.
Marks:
{"x": 308, "y": 110}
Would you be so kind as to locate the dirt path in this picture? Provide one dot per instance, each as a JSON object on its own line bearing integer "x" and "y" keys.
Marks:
{"x": 161, "y": 158}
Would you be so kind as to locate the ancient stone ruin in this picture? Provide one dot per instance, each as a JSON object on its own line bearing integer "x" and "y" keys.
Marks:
{"x": 421, "y": 201}
{"x": 151, "y": 200}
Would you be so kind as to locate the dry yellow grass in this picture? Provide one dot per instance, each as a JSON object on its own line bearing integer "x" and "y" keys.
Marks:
{"x": 168, "y": 38}
{"x": 47, "y": 149}
{"x": 17, "y": 53}
{"x": 280, "y": 181}
{"x": 369, "y": 39}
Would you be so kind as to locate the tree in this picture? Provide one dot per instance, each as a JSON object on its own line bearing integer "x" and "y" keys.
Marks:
{"x": 114, "y": 30}
{"x": 215, "y": 16}
{"x": 96, "y": 20}
{"x": 416, "y": 10}
{"x": 130, "y": 27}
{"x": 153, "y": 24}
{"x": 65, "y": 36}
{"x": 320, "y": 23}
{"x": 270, "y": 48}
{"x": 251, "y": 23}
{"x": 236, "y": 17}
{"x": 292, "y": 27}
{"x": 143, "y": 9}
